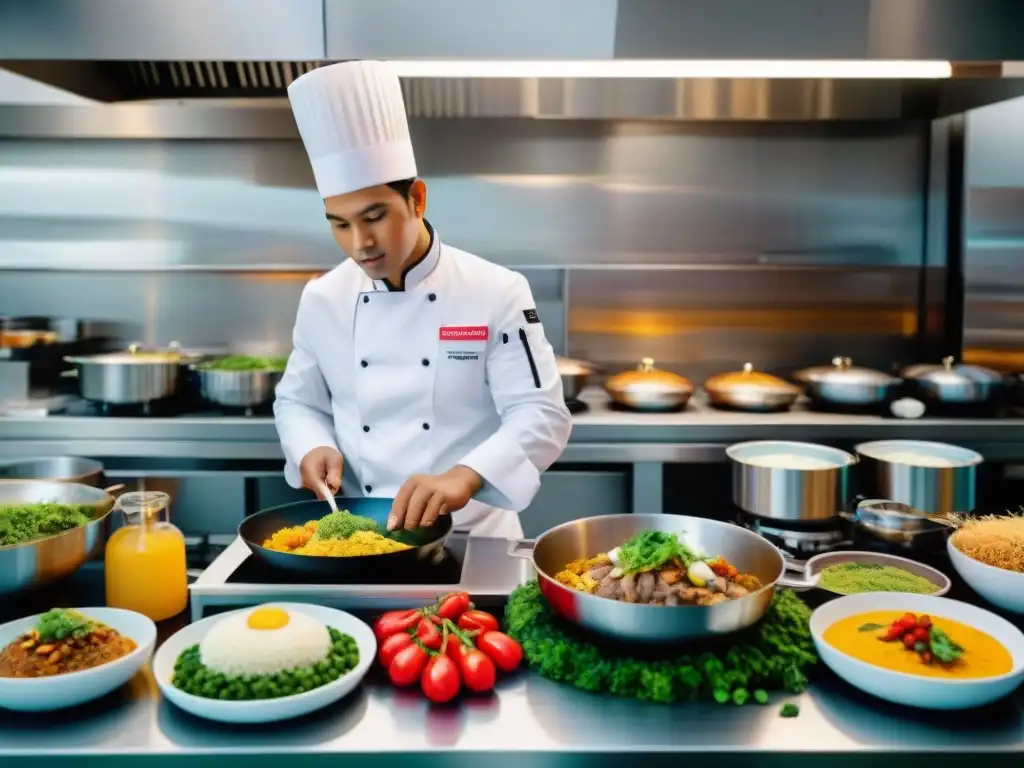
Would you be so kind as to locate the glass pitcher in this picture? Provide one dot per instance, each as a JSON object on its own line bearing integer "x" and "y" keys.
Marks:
{"x": 145, "y": 559}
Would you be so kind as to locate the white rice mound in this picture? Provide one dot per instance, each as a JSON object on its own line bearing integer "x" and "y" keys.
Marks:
{"x": 232, "y": 648}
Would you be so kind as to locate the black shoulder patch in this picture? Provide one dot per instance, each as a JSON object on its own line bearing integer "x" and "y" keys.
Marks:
{"x": 531, "y": 315}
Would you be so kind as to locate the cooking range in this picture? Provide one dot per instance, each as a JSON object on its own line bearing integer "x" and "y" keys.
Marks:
{"x": 477, "y": 565}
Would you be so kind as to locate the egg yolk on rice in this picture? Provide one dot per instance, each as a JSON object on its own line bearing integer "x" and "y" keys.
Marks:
{"x": 258, "y": 643}
{"x": 298, "y": 540}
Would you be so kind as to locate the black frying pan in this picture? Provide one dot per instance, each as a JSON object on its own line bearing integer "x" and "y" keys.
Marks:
{"x": 426, "y": 542}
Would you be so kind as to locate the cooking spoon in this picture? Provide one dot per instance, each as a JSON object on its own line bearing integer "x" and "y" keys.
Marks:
{"x": 328, "y": 496}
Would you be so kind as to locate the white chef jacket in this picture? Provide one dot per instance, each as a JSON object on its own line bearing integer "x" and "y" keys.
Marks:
{"x": 455, "y": 369}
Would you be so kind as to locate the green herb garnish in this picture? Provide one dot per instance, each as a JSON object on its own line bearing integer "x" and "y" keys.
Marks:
{"x": 246, "y": 363}
{"x": 342, "y": 524}
{"x": 60, "y": 624}
{"x": 28, "y": 522}
{"x": 789, "y": 710}
{"x": 869, "y": 627}
{"x": 942, "y": 646}
{"x": 649, "y": 550}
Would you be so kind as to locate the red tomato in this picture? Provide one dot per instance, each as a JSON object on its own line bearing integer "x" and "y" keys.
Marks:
{"x": 428, "y": 634}
{"x": 921, "y": 634}
{"x": 393, "y": 622}
{"x": 924, "y": 621}
{"x": 407, "y": 665}
{"x": 392, "y": 645}
{"x": 440, "y": 681}
{"x": 454, "y": 605}
{"x": 501, "y": 649}
{"x": 909, "y": 640}
{"x": 909, "y": 621}
{"x": 478, "y": 621}
{"x": 477, "y": 670}
{"x": 455, "y": 648}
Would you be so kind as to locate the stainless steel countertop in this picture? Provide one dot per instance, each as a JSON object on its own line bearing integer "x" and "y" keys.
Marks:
{"x": 700, "y": 433}
{"x": 528, "y": 719}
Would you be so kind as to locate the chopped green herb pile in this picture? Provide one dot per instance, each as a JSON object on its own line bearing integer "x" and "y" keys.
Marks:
{"x": 855, "y": 578}
{"x": 28, "y": 522}
{"x": 342, "y": 524}
{"x": 60, "y": 623}
{"x": 775, "y": 654}
{"x": 246, "y": 363}
{"x": 943, "y": 647}
{"x": 652, "y": 549}
{"x": 192, "y": 676}
{"x": 789, "y": 710}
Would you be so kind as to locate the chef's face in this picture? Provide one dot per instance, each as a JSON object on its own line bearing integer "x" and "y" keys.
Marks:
{"x": 378, "y": 227}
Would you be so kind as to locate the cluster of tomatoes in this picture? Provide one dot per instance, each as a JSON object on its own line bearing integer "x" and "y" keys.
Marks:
{"x": 445, "y": 646}
{"x": 915, "y": 632}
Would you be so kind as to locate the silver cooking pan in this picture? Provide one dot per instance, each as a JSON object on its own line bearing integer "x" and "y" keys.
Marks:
{"x": 641, "y": 623}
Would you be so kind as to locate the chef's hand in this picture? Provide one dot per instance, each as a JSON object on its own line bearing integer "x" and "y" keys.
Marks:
{"x": 424, "y": 497}
{"x": 322, "y": 465}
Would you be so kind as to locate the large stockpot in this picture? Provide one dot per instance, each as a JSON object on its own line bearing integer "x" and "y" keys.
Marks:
{"x": 40, "y": 562}
{"x": 62, "y": 469}
{"x": 954, "y": 383}
{"x": 843, "y": 384}
{"x": 764, "y": 485}
{"x": 132, "y": 377}
{"x": 641, "y": 623}
{"x": 891, "y": 471}
{"x": 649, "y": 389}
{"x": 750, "y": 390}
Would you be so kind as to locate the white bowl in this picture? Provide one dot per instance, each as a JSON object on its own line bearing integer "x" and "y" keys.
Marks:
{"x": 265, "y": 710}
{"x": 915, "y": 690}
{"x": 43, "y": 694}
{"x": 1003, "y": 588}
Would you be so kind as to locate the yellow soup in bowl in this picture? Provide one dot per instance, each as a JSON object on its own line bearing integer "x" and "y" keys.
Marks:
{"x": 871, "y": 638}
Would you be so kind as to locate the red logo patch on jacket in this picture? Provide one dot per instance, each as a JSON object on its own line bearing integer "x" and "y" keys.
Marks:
{"x": 463, "y": 333}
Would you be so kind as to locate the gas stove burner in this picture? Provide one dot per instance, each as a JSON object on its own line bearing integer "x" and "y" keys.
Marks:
{"x": 797, "y": 540}
{"x": 576, "y": 406}
{"x": 154, "y": 409}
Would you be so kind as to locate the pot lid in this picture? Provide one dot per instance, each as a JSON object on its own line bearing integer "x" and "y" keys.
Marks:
{"x": 951, "y": 373}
{"x": 136, "y": 353}
{"x": 647, "y": 378}
{"x": 748, "y": 380}
{"x": 843, "y": 371}
{"x": 570, "y": 367}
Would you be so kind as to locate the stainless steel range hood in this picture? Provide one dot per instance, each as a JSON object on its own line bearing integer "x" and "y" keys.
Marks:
{"x": 242, "y": 50}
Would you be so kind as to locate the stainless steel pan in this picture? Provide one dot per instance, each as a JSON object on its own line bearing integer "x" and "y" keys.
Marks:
{"x": 40, "y": 562}
{"x": 237, "y": 389}
{"x": 634, "y": 622}
{"x": 62, "y": 469}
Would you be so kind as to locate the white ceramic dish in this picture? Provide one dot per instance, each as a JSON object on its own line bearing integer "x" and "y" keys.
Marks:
{"x": 914, "y": 690}
{"x": 267, "y": 710}
{"x": 1003, "y": 588}
{"x": 44, "y": 694}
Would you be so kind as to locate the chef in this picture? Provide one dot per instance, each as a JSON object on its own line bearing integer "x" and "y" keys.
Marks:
{"x": 418, "y": 372}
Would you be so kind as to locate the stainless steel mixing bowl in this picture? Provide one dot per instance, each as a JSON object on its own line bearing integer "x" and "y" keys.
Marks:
{"x": 642, "y": 623}
{"x": 36, "y": 563}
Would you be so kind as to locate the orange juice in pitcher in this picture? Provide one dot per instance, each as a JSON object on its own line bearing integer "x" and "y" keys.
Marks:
{"x": 145, "y": 559}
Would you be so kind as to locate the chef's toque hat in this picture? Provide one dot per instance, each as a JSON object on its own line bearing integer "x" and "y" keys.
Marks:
{"x": 351, "y": 117}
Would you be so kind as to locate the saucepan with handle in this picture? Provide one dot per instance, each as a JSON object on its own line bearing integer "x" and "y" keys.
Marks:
{"x": 427, "y": 544}
{"x": 649, "y": 623}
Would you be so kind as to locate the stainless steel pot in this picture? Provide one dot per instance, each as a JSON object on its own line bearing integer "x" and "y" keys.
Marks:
{"x": 789, "y": 492}
{"x": 131, "y": 377}
{"x": 575, "y": 376}
{"x": 60, "y": 469}
{"x": 750, "y": 390}
{"x": 844, "y": 384}
{"x": 238, "y": 389}
{"x": 890, "y": 472}
{"x": 640, "y": 623}
{"x": 954, "y": 383}
{"x": 649, "y": 389}
{"x": 899, "y": 524}
{"x": 37, "y": 563}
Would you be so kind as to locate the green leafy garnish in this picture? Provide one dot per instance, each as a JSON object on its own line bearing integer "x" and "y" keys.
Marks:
{"x": 869, "y": 627}
{"x": 943, "y": 647}
{"x": 29, "y": 522}
{"x": 342, "y": 524}
{"x": 60, "y": 624}
{"x": 789, "y": 710}
{"x": 649, "y": 550}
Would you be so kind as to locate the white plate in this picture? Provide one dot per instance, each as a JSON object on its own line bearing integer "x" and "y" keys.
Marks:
{"x": 915, "y": 690}
{"x": 266, "y": 710}
{"x": 1003, "y": 588}
{"x": 43, "y": 694}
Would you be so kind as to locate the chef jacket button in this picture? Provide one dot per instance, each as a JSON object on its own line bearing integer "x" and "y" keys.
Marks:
{"x": 366, "y": 428}
{"x": 366, "y": 299}
{"x": 425, "y": 425}
{"x": 363, "y": 363}
{"x": 426, "y": 362}
{"x": 432, "y": 296}
{"x": 368, "y": 488}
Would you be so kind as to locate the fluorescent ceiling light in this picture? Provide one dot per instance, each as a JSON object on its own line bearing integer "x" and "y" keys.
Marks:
{"x": 828, "y": 70}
